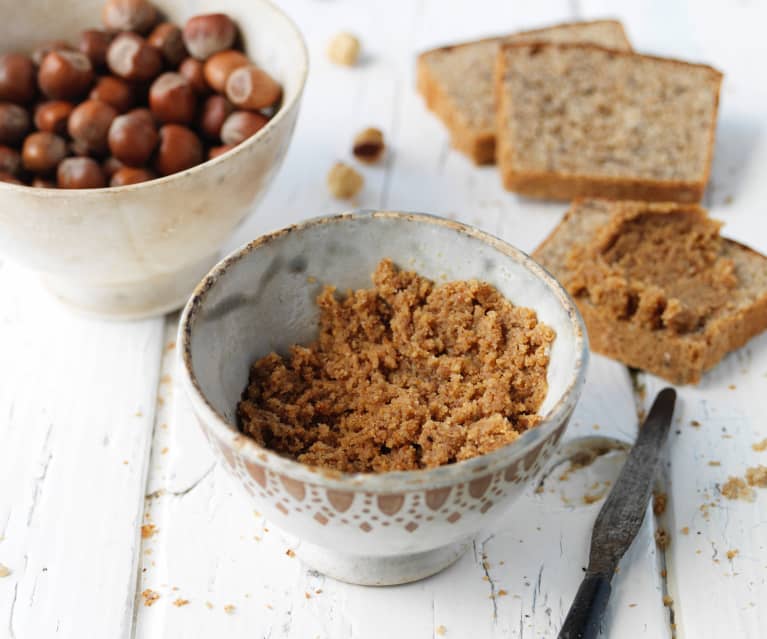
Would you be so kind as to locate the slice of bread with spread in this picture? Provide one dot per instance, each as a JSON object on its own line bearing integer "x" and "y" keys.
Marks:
{"x": 658, "y": 287}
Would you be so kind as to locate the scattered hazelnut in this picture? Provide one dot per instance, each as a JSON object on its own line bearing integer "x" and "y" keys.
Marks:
{"x": 130, "y": 57}
{"x": 65, "y": 75}
{"x": 94, "y": 44}
{"x": 10, "y": 160}
{"x": 215, "y": 151}
{"x": 42, "y": 50}
{"x": 17, "y": 78}
{"x": 128, "y": 175}
{"x": 133, "y": 137}
{"x": 167, "y": 38}
{"x": 80, "y": 173}
{"x": 344, "y": 49}
{"x": 110, "y": 166}
{"x": 220, "y": 65}
{"x": 14, "y": 123}
{"x": 8, "y": 178}
{"x": 43, "y": 183}
{"x": 344, "y": 182}
{"x": 89, "y": 124}
{"x": 252, "y": 88}
{"x": 172, "y": 99}
{"x": 129, "y": 15}
{"x": 215, "y": 111}
{"x": 369, "y": 146}
{"x": 42, "y": 152}
{"x": 193, "y": 71}
{"x": 115, "y": 92}
{"x": 240, "y": 125}
{"x": 208, "y": 34}
{"x": 179, "y": 149}
{"x": 52, "y": 116}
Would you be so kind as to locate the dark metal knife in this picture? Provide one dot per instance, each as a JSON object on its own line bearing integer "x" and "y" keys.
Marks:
{"x": 619, "y": 521}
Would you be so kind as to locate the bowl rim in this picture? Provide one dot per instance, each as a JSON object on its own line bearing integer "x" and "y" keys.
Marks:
{"x": 389, "y": 481}
{"x": 285, "y": 108}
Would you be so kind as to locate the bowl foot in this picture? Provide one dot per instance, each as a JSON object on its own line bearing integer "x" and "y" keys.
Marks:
{"x": 380, "y": 570}
{"x": 156, "y": 295}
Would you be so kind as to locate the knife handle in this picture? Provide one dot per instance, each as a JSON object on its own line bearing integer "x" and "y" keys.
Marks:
{"x": 585, "y": 616}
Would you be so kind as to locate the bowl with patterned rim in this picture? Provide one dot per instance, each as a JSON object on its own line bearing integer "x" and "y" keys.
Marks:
{"x": 367, "y": 528}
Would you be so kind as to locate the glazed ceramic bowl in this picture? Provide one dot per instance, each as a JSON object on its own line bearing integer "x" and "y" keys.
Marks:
{"x": 139, "y": 250}
{"x": 382, "y": 528}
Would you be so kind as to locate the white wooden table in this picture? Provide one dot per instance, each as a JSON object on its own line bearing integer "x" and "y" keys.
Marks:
{"x": 96, "y": 441}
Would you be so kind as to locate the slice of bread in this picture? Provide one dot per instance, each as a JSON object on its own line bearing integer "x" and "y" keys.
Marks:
{"x": 578, "y": 120}
{"x": 457, "y": 81}
{"x": 658, "y": 287}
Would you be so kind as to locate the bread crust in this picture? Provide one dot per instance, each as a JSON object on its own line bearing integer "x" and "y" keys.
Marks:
{"x": 562, "y": 186}
{"x": 478, "y": 144}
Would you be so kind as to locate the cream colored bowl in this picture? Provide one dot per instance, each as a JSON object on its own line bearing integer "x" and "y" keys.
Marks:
{"x": 139, "y": 250}
{"x": 382, "y": 528}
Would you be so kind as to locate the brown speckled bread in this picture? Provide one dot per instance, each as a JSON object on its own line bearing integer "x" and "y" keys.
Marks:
{"x": 658, "y": 287}
{"x": 457, "y": 81}
{"x": 584, "y": 121}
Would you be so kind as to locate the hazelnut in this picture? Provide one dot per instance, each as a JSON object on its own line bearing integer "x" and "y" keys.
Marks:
{"x": 208, "y": 34}
{"x": 43, "y": 183}
{"x": 128, "y": 175}
{"x": 167, "y": 38}
{"x": 42, "y": 152}
{"x": 344, "y": 182}
{"x": 179, "y": 149}
{"x": 344, "y": 49}
{"x": 110, "y": 166}
{"x": 172, "y": 99}
{"x": 215, "y": 111}
{"x": 14, "y": 123}
{"x": 89, "y": 125}
{"x": 18, "y": 81}
{"x": 80, "y": 173}
{"x": 129, "y": 15}
{"x": 79, "y": 149}
{"x": 215, "y": 151}
{"x": 10, "y": 160}
{"x": 252, "y": 88}
{"x": 94, "y": 44}
{"x": 131, "y": 58}
{"x": 133, "y": 137}
{"x": 193, "y": 71}
{"x": 369, "y": 146}
{"x": 42, "y": 50}
{"x": 220, "y": 65}
{"x": 8, "y": 178}
{"x": 115, "y": 92}
{"x": 65, "y": 75}
{"x": 240, "y": 125}
{"x": 52, "y": 116}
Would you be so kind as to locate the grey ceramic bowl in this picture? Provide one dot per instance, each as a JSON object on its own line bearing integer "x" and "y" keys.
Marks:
{"x": 382, "y": 528}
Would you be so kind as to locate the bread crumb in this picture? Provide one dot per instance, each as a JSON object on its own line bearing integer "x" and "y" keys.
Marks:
{"x": 760, "y": 446}
{"x": 590, "y": 499}
{"x": 662, "y": 538}
{"x": 229, "y": 609}
{"x": 209, "y": 605}
{"x": 369, "y": 145}
{"x": 344, "y": 182}
{"x": 150, "y": 597}
{"x": 138, "y": 413}
{"x": 4, "y": 570}
{"x": 731, "y": 554}
{"x": 307, "y": 595}
{"x": 736, "y": 488}
{"x": 659, "y": 503}
{"x": 663, "y": 573}
{"x": 180, "y": 602}
{"x": 595, "y": 427}
{"x": 164, "y": 451}
{"x": 344, "y": 49}
{"x": 147, "y": 530}
{"x": 685, "y": 530}
{"x": 290, "y": 553}
{"x": 632, "y": 605}
{"x": 695, "y": 423}
{"x": 667, "y": 601}
{"x": 757, "y": 476}
{"x": 732, "y": 387}
{"x": 170, "y": 346}
{"x": 714, "y": 463}
{"x": 441, "y": 631}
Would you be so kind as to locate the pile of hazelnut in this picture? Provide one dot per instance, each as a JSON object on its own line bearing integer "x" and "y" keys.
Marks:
{"x": 139, "y": 99}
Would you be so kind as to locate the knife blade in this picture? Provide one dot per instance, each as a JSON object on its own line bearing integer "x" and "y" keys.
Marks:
{"x": 619, "y": 520}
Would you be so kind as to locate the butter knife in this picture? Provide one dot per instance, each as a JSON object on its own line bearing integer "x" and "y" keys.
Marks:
{"x": 619, "y": 521}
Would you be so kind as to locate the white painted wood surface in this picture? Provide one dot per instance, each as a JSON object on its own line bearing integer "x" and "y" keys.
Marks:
{"x": 82, "y": 403}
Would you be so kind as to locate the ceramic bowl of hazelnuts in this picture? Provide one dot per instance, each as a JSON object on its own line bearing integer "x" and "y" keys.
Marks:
{"x": 135, "y": 136}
